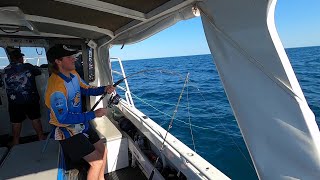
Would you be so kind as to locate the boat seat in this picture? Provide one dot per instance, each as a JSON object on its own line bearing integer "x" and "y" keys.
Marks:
{"x": 116, "y": 143}
{"x": 3, "y": 153}
{"x": 25, "y": 161}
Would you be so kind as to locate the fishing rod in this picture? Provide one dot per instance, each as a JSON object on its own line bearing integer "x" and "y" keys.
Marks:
{"x": 115, "y": 99}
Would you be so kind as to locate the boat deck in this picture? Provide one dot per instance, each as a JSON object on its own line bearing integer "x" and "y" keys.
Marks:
{"x": 126, "y": 174}
{"x": 27, "y": 161}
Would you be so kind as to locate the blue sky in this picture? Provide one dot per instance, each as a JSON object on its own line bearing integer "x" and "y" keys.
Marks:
{"x": 297, "y": 23}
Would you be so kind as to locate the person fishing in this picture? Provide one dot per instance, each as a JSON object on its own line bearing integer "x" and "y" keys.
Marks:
{"x": 23, "y": 96}
{"x": 72, "y": 128}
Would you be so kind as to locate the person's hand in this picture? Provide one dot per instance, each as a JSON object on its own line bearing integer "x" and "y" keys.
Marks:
{"x": 100, "y": 112}
{"x": 109, "y": 89}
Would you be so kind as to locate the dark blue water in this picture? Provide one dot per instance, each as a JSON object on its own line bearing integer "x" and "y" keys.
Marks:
{"x": 216, "y": 134}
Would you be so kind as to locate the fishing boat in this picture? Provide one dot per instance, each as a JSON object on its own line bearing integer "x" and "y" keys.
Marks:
{"x": 277, "y": 125}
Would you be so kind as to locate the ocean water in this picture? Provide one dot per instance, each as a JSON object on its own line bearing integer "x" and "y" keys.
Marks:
{"x": 215, "y": 132}
{"x": 216, "y": 135}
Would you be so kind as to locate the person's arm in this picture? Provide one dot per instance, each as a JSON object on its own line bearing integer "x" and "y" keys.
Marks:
{"x": 58, "y": 104}
{"x": 90, "y": 90}
{"x": 34, "y": 69}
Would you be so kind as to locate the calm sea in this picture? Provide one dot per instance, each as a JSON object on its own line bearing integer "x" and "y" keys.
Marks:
{"x": 216, "y": 135}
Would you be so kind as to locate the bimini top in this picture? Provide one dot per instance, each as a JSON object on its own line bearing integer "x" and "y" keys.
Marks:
{"x": 122, "y": 22}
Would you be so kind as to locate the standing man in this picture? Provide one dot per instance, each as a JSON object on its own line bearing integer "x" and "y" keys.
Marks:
{"x": 72, "y": 128}
{"x": 22, "y": 93}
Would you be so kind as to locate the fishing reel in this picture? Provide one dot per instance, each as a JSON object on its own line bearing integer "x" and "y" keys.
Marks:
{"x": 114, "y": 100}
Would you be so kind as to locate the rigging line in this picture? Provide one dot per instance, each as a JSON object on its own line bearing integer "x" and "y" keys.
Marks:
{"x": 159, "y": 102}
{"x": 226, "y": 131}
{"x": 251, "y": 59}
{"x": 164, "y": 103}
{"x": 169, "y": 127}
{"x": 163, "y": 71}
{"x": 121, "y": 80}
{"x": 208, "y": 128}
{"x": 192, "y": 137}
{"x": 147, "y": 70}
{"x": 211, "y": 128}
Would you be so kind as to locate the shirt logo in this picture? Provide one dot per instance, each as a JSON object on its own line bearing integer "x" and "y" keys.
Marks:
{"x": 59, "y": 102}
{"x": 76, "y": 100}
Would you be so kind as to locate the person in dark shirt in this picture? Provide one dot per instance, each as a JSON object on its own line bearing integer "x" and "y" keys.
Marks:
{"x": 22, "y": 93}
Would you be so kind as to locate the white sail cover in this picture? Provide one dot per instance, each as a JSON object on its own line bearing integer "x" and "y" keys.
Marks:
{"x": 275, "y": 120}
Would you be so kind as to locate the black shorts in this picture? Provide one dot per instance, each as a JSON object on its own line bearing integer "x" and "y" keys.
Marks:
{"x": 19, "y": 112}
{"x": 78, "y": 146}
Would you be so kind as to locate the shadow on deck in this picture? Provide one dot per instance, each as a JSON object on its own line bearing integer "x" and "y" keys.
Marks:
{"x": 126, "y": 174}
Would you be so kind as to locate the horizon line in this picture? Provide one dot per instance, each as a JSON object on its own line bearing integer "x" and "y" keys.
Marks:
{"x": 201, "y": 54}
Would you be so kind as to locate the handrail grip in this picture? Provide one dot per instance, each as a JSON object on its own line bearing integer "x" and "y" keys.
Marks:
{"x": 116, "y": 72}
{"x": 122, "y": 88}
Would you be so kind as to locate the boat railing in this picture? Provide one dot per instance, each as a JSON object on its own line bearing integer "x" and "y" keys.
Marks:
{"x": 39, "y": 58}
{"x": 126, "y": 90}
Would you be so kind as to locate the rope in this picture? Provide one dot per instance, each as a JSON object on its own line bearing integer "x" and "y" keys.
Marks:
{"x": 169, "y": 127}
{"x": 194, "y": 146}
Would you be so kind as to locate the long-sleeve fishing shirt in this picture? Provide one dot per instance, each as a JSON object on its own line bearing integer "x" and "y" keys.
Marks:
{"x": 63, "y": 98}
{"x": 20, "y": 83}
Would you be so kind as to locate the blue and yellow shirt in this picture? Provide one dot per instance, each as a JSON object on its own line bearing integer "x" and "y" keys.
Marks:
{"x": 63, "y": 98}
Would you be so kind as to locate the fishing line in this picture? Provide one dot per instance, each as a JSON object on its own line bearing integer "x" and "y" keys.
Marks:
{"x": 211, "y": 128}
{"x": 121, "y": 80}
{"x": 195, "y": 126}
{"x": 180, "y": 77}
{"x": 221, "y": 124}
{"x": 225, "y": 129}
{"x": 192, "y": 137}
{"x": 169, "y": 127}
{"x": 165, "y": 103}
{"x": 163, "y": 71}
